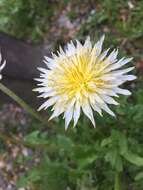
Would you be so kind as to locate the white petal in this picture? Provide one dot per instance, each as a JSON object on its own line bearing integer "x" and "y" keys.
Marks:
{"x": 88, "y": 112}
{"x": 61, "y": 51}
{"x": 94, "y": 105}
{"x": 96, "y": 108}
{"x": 107, "y": 109}
{"x": 76, "y": 114}
{"x": 58, "y": 110}
{"x": 109, "y": 100}
{"x": 70, "y": 49}
{"x": 119, "y": 64}
{"x": 122, "y": 91}
{"x": 49, "y": 62}
{"x": 45, "y": 71}
{"x": 114, "y": 83}
{"x": 107, "y": 91}
{"x": 69, "y": 113}
{"x": 3, "y": 65}
{"x": 50, "y": 93}
{"x": 87, "y": 43}
{"x": 68, "y": 117}
{"x": 123, "y": 71}
{"x": 41, "y": 89}
{"x": 42, "y": 80}
{"x": 112, "y": 57}
{"x": 98, "y": 45}
{"x": 98, "y": 98}
{"x": 128, "y": 77}
{"x": 124, "y": 61}
{"x": 108, "y": 77}
{"x": 104, "y": 54}
{"x": 0, "y": 57}
{"x": 48, "y": 103}
{"x": 78, "y": 45}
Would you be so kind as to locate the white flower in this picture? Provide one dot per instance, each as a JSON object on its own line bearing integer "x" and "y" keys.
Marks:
{"x": 82, "y": 78}
{"x": 2, "y": 65}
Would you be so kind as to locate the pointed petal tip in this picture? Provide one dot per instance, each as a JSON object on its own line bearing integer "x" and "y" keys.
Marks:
{"x": 2, "y": 65}
{"x": 134, "y": 77}
{"x": 74, "y": 125}
{"x": 94, "y": 125}
{"x": 66, "y": 128}
{"x": 101, "y": 114}
{"x": 39, "y": 109}
{"x": 93, "y": 122}
{"x": 87, "y": 39}
{"x": 50, "y": 118}
{"x": 130, "y": 58}
{"x": 34, "y": 90}
{"x": 103, "y": 37}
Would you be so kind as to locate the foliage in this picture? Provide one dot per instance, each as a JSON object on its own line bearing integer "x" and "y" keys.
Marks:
{"x": 28, "y": 19}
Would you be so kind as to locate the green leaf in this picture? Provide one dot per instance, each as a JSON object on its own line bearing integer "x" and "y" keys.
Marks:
{"x": 33, "y": 176}
{"x": 106, "y": 142}
{"x": 56, "y": 176}
{"x": 64, "y": 142}
{"x": 115, "y": 160}
{"x": 133, "y": 158}
{"x": 36, "y": 138}
{"x": 22, "y": 182}
{"x": 85, "y": 162}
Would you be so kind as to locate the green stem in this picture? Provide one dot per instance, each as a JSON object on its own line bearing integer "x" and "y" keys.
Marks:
{"x": 117, "y": 185}
{"x": 17, "y": 99}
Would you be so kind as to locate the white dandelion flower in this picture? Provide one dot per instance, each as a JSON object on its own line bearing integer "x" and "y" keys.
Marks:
{"x": 2, "y": 65}
{"x": 82, "y": 77}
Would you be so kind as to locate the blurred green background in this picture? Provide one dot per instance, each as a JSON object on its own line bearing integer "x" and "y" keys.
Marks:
{"x": 109, "y": 157}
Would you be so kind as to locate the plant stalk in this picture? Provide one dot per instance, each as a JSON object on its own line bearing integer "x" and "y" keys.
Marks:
{"x": 117, "y": 184}
{"x": 24, "y": 105}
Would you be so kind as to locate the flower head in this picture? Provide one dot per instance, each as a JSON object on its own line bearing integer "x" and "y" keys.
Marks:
{"x": 2, "y": 65}
{"x": 82, "y": 78}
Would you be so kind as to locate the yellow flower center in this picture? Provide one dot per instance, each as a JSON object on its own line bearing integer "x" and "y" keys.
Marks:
{"x": 77, "y": 74}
